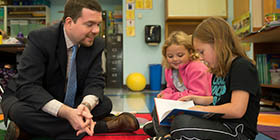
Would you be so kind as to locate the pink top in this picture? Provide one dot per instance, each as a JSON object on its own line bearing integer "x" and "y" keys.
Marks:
{"x": 196, "y": 79}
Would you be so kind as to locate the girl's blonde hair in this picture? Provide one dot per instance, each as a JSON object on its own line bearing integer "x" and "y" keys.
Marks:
{"x": 219, "y": 33}
{"x": 178, "y": 38}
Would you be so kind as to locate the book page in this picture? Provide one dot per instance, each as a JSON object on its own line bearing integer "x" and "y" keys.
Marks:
{"x": 164, "y": 106}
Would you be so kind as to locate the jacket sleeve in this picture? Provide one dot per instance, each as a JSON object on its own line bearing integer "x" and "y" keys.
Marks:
{"x": 196, "y": 80}
{"x": 31, "y": 70}
{"x": 94, "y": 81}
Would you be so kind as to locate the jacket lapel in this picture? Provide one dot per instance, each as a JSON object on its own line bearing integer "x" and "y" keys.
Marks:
{"x": 61, "y": 52}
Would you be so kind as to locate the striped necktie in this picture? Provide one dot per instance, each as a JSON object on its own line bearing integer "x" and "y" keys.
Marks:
{"x": 72, "y": 80}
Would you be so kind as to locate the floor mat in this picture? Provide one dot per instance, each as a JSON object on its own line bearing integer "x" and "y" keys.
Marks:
{"x": 137, "y": 135}
{"x": 269, "y": 124}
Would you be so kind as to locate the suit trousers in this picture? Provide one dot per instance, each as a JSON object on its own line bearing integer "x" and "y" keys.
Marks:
{"x": 40, "y": 123}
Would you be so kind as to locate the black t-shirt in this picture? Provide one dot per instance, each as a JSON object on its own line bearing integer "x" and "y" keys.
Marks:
{"x": 242, "y": 76}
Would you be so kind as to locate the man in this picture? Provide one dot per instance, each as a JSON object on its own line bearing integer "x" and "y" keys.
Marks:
{"x": 39, "y": 100}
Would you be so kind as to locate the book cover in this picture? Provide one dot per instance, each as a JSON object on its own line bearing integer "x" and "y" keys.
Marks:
{"x": 168, "y": 109}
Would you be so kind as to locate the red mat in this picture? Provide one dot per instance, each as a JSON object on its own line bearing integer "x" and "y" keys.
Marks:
{"x": 137, "y": 135}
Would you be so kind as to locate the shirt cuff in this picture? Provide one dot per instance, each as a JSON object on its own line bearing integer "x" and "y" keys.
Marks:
{"x": 52, "y": 107}
{"x": 92, "y": 100}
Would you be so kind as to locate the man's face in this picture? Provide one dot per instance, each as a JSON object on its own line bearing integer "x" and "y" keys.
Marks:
{"x": 86, "y": 27}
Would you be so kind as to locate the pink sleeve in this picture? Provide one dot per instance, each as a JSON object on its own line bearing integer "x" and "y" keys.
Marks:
{"x": 197, "y": 80}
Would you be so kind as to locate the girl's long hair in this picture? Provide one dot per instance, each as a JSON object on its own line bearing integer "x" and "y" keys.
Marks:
{"x": 220, "y": 34}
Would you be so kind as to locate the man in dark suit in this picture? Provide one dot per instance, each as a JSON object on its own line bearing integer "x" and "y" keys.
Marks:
{"x": 35, "y": 100}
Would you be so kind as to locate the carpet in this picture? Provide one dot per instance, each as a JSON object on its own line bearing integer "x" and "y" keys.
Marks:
{"x": 268, "y": 127}
{"x": 137, "y": 135}
{"x": 269, "y": 124}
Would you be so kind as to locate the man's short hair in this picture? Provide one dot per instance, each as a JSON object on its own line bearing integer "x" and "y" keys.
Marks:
{"x": 73, "y": 8}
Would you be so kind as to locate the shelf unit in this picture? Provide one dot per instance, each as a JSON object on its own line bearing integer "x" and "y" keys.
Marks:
{"x": 266, "y": 42}
{"x": 12, "y": 48}
{"x": 24, "y": 18}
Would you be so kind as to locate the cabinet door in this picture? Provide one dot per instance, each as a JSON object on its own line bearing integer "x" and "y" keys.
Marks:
{"x": 197, "y": 9}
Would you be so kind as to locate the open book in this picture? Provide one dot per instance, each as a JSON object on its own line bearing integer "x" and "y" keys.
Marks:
{"x": 168, "y": 109}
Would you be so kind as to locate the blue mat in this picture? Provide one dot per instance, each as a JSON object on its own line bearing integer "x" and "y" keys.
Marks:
{"x": 261, "y": 136}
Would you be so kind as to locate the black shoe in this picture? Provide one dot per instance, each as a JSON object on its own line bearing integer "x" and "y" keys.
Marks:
{"x": 149, "y": 129}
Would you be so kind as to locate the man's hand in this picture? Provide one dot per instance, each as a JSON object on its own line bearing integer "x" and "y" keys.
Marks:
{"x": 79, "y": 118}
{"x": 84, "y": 111}
{"x": 89, "y": 130}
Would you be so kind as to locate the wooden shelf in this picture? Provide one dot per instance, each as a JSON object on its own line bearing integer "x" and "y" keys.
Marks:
{"x": 12, "y": 48}
{"x": 271, "y": 35}
{"x": 270, "y": 86}
{"x": 265, "y": 102}
{"x": 27, "y": 18}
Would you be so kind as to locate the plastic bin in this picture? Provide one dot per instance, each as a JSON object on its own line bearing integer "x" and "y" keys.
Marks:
{"x": 155, "y": 76}
{"x": 275, "y": 76}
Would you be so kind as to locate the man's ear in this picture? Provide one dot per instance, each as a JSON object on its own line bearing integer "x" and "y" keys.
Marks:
{"x": 68, "y": 21}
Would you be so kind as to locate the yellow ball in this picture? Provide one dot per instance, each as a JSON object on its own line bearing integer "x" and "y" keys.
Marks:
{"x": 136, "y": 81}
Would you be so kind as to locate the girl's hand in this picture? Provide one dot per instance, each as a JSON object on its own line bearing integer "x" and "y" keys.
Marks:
{"x": 160, "y": 95}
{"x": 186, "y": 98}
{"x": 200, "y": 100}
{"x": 197, "y": 108}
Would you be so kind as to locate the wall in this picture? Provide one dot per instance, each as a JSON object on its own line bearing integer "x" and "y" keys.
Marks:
{"x": 230, "y": 11}
{"x": 137, "y": 54}
{"x": 110, "y": 4}
{"x": 57, "y": 7}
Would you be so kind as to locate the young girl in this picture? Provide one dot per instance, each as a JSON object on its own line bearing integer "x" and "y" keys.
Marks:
{"x": 235, "y": 88}
{"x": 185, "y": 75}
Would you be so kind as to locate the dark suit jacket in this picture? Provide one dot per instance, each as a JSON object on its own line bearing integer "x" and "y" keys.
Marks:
{"x": 42, "y": 70}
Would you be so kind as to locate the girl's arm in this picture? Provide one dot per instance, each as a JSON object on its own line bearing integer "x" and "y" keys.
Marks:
{"x": 166, "y": 93}
{"x": 233, "y": 110}
{"x": 197, "y": 80}
{"x": 169, "y": 91}
{"x": 199, "y": 100}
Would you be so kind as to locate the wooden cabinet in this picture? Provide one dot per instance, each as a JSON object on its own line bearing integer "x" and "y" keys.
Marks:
{"x": 195, "y": 9}
{"x": 267, "y": 42}
{"x": 185, "y": 15}
{"x": 186, "y": 26}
